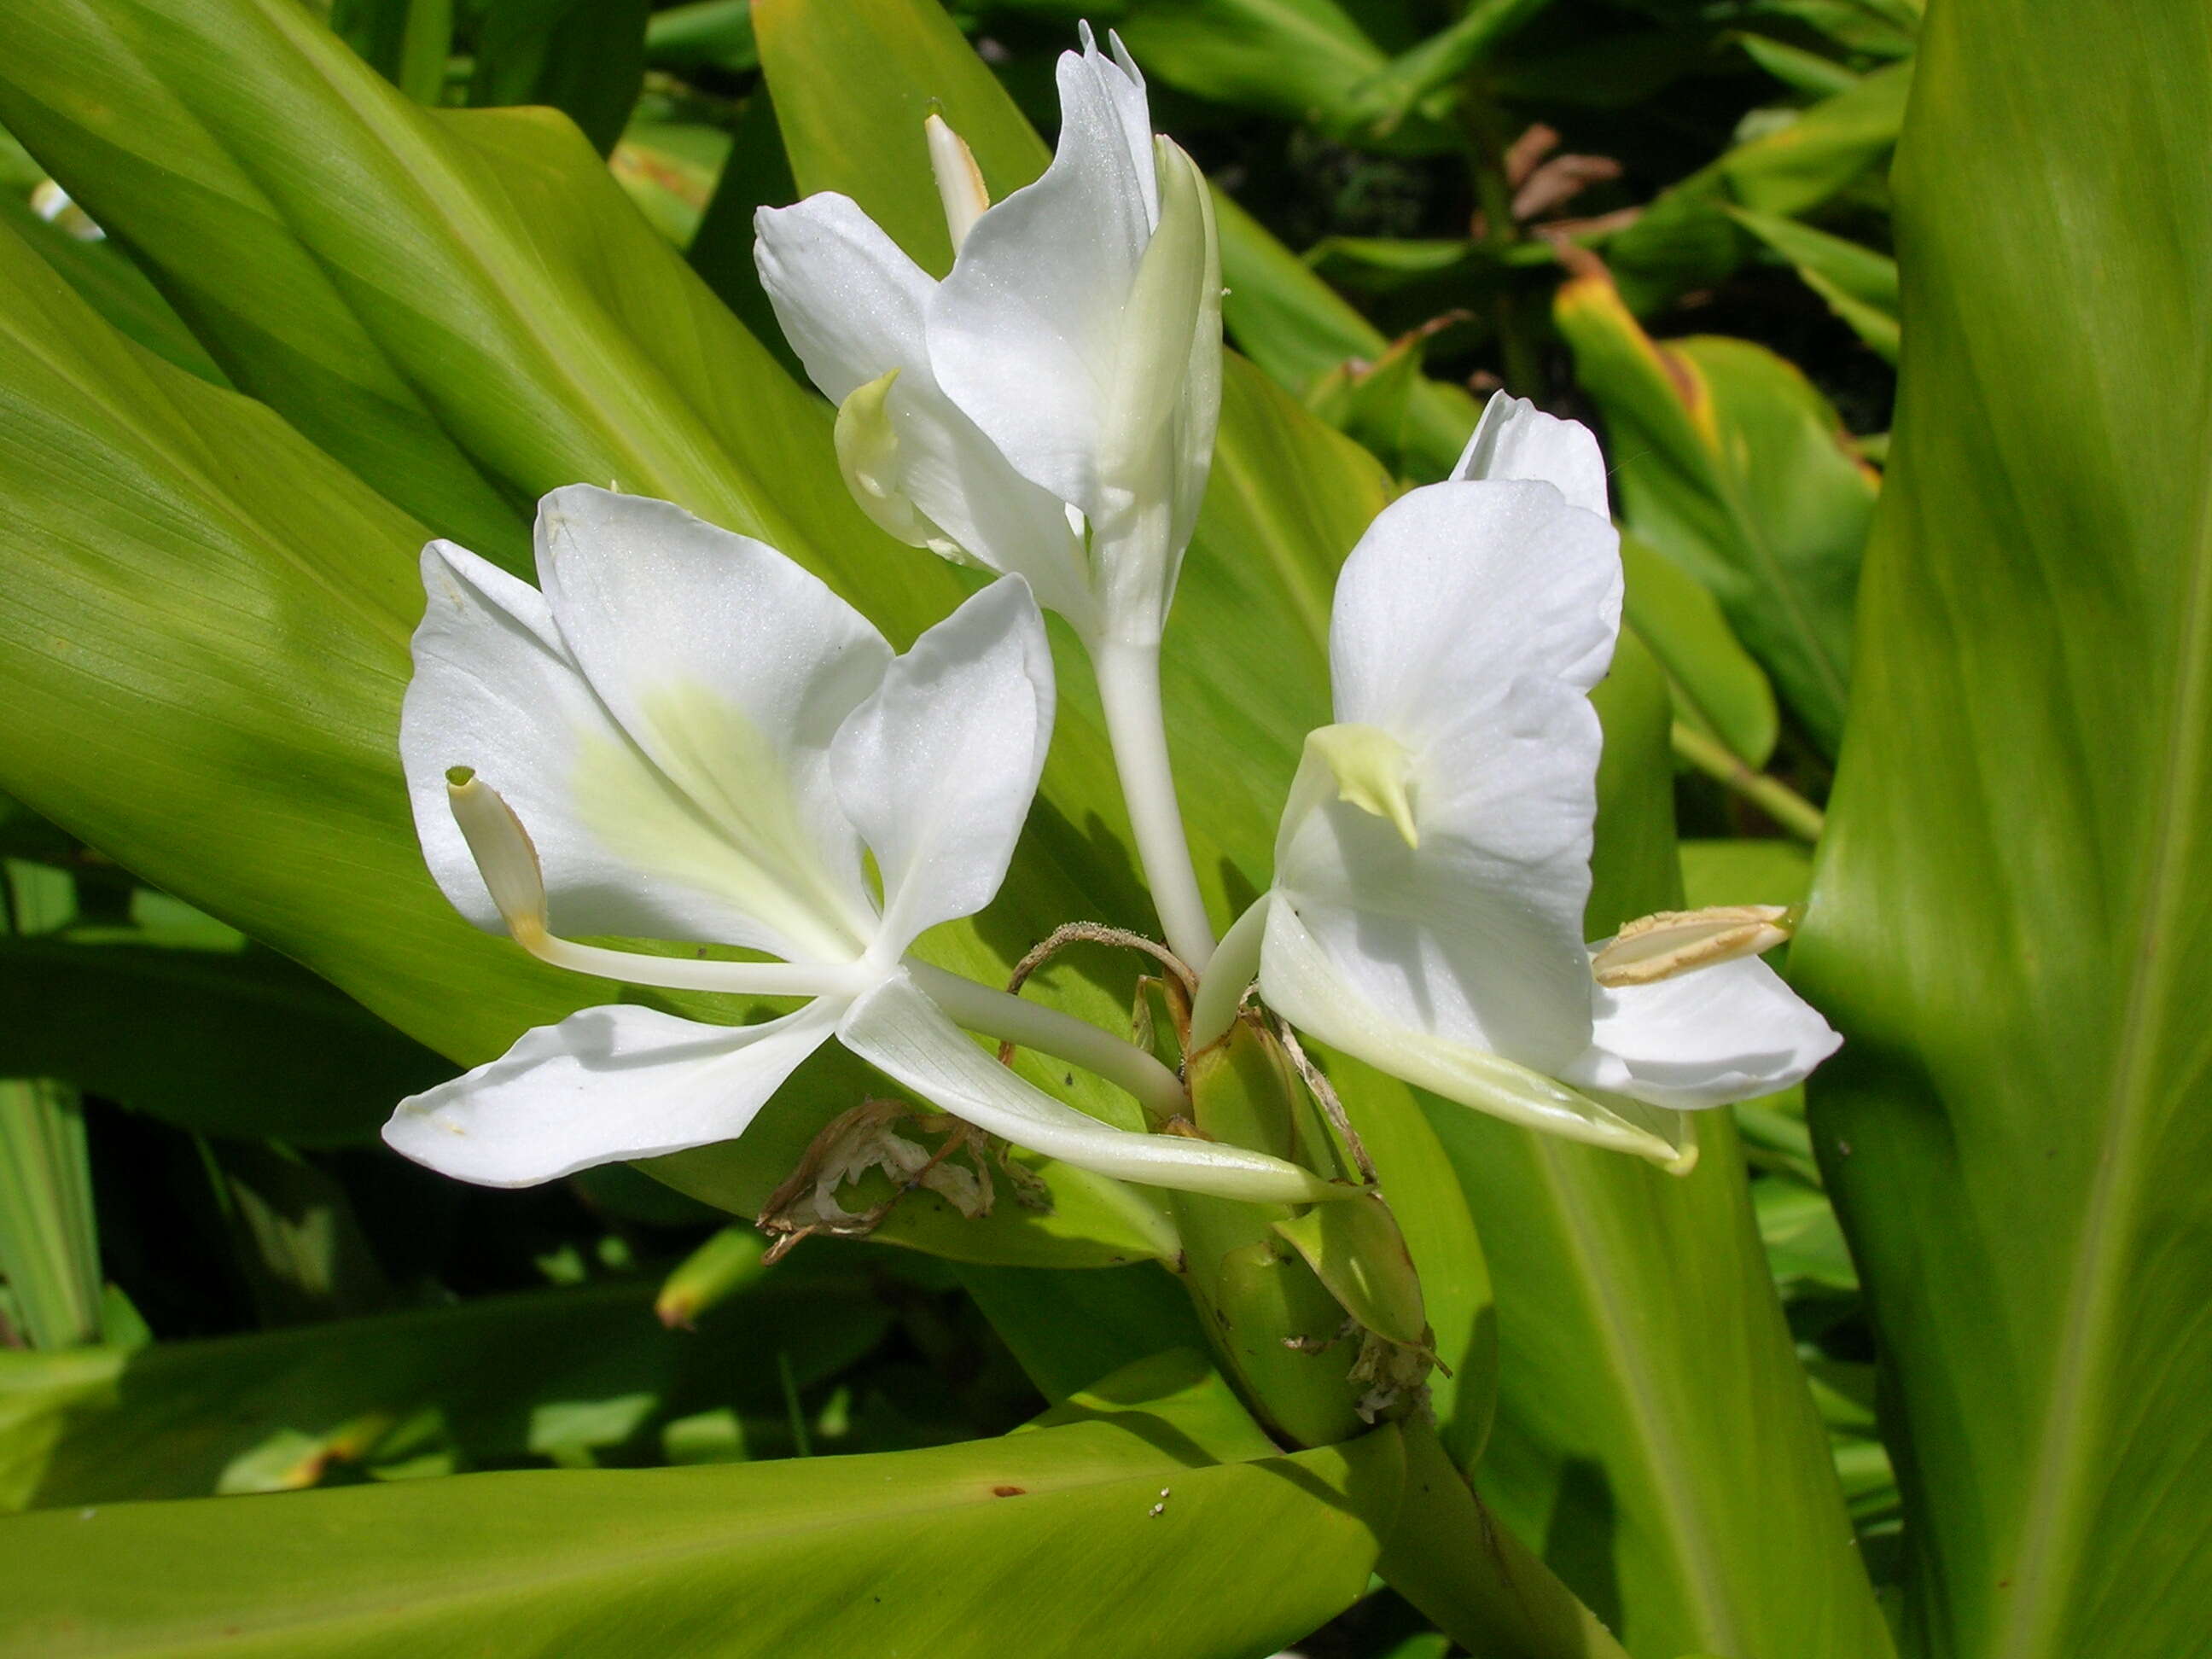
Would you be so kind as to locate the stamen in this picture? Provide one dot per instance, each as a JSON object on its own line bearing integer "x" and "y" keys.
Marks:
{"x": 508, "y": 860}
{"x": 960, "y": 185}
{"x": 1657, "y": 947}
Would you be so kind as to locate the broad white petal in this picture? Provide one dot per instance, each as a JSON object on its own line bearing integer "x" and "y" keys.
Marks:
{"x": 1515, "y": 439}
{"x": 1733, "y": 1031}
{"x": 1300, "y": 982}
{"x": 1026, "y": 334}
{"x": 731, "y": 668}
{"x": 607, "y": 1084}
{"x": 903, "y": 1034}
{"x": 497, "y": 690}
{"x": 851, "y": 305}
{"x": 1467, "y": 624}
{"x": 937, "y": 770}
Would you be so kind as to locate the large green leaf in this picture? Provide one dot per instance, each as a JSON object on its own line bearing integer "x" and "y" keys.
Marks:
{"x": 2008, "y": 919}
{"x": 1731, "y": 465}
{"x": 226, "y": 1041}
{"x": 584, "y": 58}
{"x": 497, "y": 1382}
{"x": 1031, "y": 1544}
{"x": 205, "y": 626}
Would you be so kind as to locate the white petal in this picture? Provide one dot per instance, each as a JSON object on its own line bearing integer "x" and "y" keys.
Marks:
{"x": 1300, "y": 982}
{"x": 937, "y": 770}
{"x": 903, "y": 1034}
{"x": 607, "y": 1084}
{"x": 497, "y": 690}
{"x": 1515, "y": 439}
{"x": 851, "y": 305}
{"x": 730, "y": 667}
{"x": 851, "y": 302}
{"x": 1025, "y": 334}
{"x": 1733, "y": 1031}
{"x": 1469, "y": 624}
{"x": 1119, "y": 79}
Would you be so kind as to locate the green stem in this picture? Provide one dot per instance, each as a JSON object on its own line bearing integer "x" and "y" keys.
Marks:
{"x": 1011, "y": 1019}
{"x": 1771, "y": 795}
{"x": 1484, "y": 1587}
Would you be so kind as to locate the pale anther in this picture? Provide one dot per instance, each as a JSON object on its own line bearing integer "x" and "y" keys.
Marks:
{"x": 1672, "y": 942}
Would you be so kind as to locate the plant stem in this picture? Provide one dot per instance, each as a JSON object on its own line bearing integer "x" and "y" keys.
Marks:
{"x": 1482, "y": 1586}
{"x": 1771, "y": 795}
{"x": 1011, "y": 1019}
{"x": 1129, "y": 687}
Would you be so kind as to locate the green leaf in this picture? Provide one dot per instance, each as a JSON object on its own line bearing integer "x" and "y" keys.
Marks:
{"x": 2008, "y": 921}
{"x": 228, "y": 1042}
{"x": 704, "y": 33}
{"x": 1381, "y": 104}
{"x": 497, "y": 1381}
{"x": 406, "y": 41}
{"x": 237, "y": 606}
{"x": 1716, "y": 872}
{"x": 1124, "y": 1316}
{"x": 1729, "y": 463}
{"x": 1294, "y": 59}
{"x": 1301, "y": 330}
{"x": 1031, "y": 1543}
{"x": 297, "y": 1237}
{"x": 49, "y": 1245}
{"x": 585, "y": 57}
{"x": 1714, "y": 680}
{"x": 1686, "y": 239}
{"x": 113, "y": 286}
{"x": 755, "y": 175}
{"x": 1795, "y": 68}
{"x": 1859, "y": 285}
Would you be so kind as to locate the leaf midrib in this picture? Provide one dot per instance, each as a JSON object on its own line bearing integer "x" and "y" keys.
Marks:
{"x": 2056, "y": 1508}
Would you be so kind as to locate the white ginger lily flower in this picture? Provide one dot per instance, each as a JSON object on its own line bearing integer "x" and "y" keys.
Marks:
{"x": 1049, "y": 407}
{"x": 685, "y": 736}
{"x": 1433, "y": 864}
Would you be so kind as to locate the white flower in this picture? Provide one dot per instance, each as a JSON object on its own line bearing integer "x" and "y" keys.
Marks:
{"x": 1048, "y": 407}
{"x": 685, "y": 736}
{"x": 1433, "y": 862}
